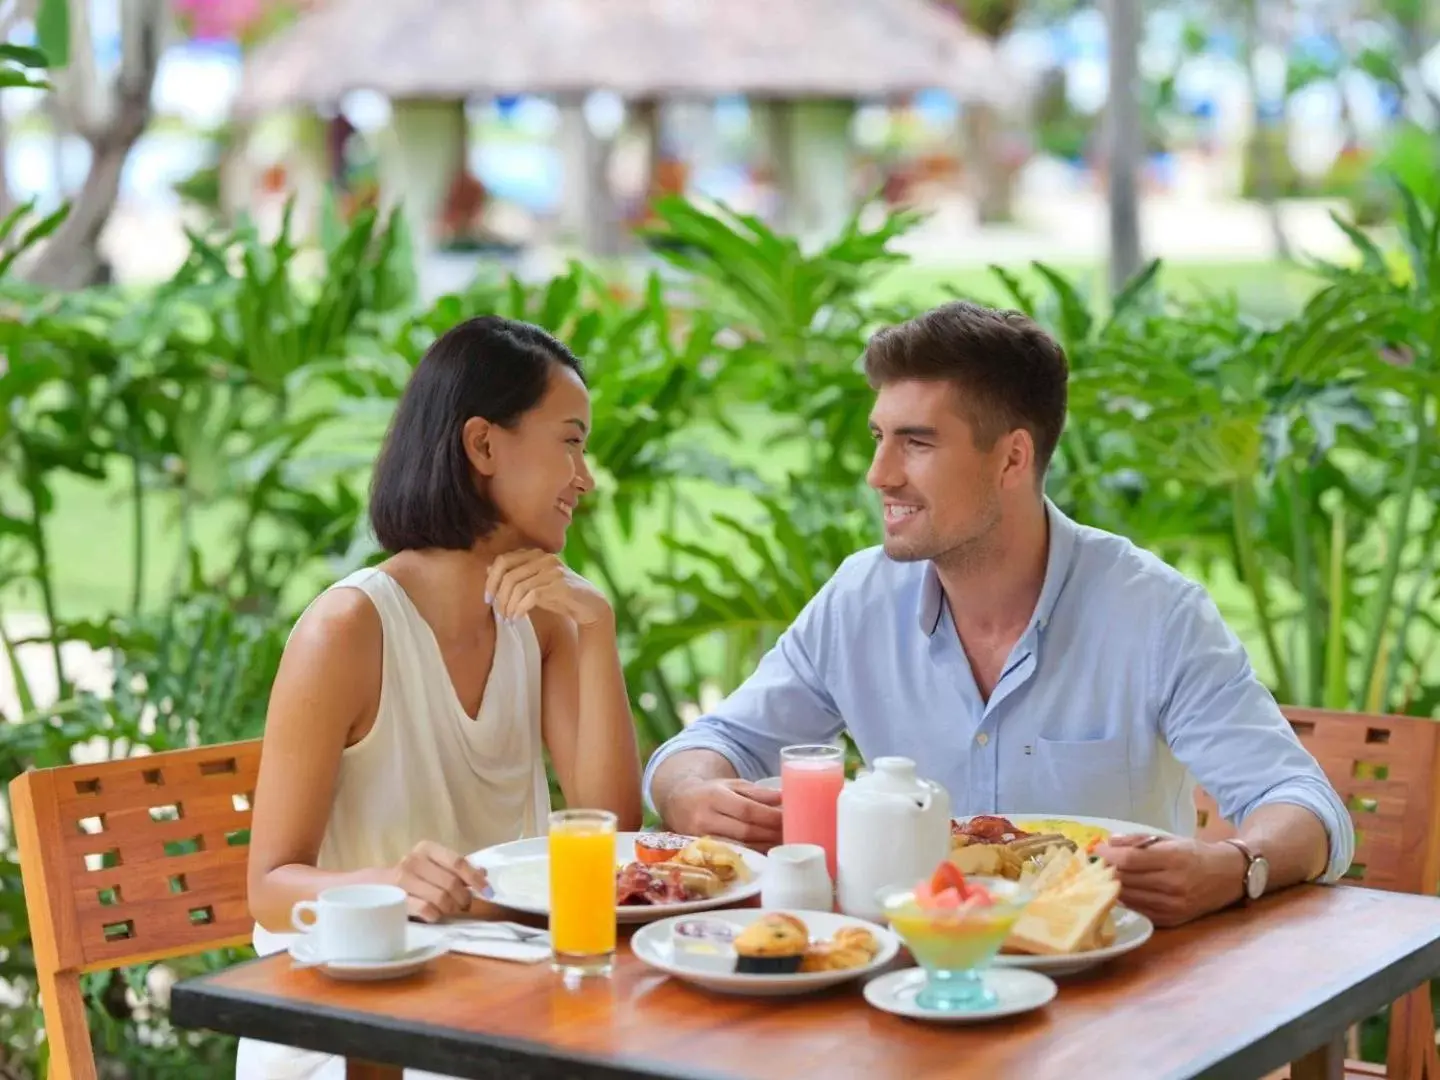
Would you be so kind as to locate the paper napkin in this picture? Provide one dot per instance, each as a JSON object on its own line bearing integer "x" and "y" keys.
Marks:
{"x": 525, "y": 952}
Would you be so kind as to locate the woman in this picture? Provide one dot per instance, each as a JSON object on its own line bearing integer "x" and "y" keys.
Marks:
{"x": 414, "y": 699}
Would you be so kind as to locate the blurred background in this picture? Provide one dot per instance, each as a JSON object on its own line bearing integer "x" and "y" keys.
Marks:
{"x": 229, "y": 228}
{"x": 538, "y": 130}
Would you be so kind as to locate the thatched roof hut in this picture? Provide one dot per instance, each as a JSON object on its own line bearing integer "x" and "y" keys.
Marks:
{"x": 641, "y": 49}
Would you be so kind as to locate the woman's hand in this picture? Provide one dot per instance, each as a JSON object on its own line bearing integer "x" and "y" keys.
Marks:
{"x": 438, "y": 882}
{"x": 521, "y": 581}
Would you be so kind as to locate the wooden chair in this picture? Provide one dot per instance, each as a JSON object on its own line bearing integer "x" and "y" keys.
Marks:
{"x": 1387, "y": 770}
{"x": 126, "y": 862}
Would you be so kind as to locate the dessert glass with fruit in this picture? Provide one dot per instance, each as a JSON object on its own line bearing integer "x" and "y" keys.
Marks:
{"x": 954, "y": 926}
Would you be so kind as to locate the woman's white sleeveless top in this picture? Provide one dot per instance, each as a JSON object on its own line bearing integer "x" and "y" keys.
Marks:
{"x": 426, "y": 770}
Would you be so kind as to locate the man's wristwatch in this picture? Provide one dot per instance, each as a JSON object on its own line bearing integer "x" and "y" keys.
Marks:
{"x": 1257, "y": 870}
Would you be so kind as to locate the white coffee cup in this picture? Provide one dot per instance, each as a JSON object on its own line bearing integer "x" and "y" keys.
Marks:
{"x": 355, "y": 922}
{"x": 796, "y": 878}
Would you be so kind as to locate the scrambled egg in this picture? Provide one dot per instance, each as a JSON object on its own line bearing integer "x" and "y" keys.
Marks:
{"x": 1081, "y": 835}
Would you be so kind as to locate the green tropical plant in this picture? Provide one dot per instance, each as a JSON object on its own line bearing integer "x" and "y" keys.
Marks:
{"x": 1287, "y": 462}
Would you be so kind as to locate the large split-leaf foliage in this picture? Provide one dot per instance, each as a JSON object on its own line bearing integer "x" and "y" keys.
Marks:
{"x": 231, "y": 414}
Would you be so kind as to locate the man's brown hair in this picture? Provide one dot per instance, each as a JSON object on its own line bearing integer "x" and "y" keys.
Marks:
{"x": 1007, "y": 372}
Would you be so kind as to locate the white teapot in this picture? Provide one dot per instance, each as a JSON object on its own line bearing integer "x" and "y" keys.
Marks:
{"x": 892, "y": 828}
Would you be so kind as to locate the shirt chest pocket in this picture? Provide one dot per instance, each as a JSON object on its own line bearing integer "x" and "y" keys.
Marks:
{"x": 1087, "y": 777}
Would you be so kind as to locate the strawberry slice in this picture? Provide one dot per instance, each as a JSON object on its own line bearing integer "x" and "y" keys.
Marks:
{"x": 948, "y": 876}
{"x": 948, "y": 899}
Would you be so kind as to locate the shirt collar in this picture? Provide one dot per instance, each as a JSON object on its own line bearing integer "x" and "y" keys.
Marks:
{"x": 1057, "y": 570}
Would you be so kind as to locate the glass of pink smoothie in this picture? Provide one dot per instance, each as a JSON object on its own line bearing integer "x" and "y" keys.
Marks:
{"x": 810, "y": 781}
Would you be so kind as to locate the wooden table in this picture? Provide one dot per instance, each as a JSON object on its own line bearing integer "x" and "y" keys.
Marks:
{"x": 1237, "y": 994}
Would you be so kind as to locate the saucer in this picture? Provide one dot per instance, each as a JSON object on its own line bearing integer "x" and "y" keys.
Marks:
{"x": 1018, "y": 991}
{"x": 422, "y": 944}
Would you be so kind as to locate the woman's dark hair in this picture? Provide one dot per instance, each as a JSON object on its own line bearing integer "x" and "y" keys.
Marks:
{"x": 422, "y": 494}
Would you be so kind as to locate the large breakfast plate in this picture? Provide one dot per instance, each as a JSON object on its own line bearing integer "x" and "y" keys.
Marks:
{"x": 1131, "y": 931}
{"x": 518, "y": 876}
{"x": 653, "y": 946}
{"x": 1076, "y": 827}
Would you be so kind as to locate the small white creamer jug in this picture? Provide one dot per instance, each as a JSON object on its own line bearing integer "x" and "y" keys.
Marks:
{"x": 892, "y": 828}
{"x": 796, "y": 878}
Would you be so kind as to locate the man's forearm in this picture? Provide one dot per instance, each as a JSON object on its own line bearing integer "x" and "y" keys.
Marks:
{"x": 687, "y": 767}
{"x": 1292, "y": 839}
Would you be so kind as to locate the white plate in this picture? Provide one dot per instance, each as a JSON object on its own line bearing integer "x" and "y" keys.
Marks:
{"x": 1131, "y": 931}
{"x": 1114, "y": 826}
{"x": 1018, "y": 991}
{"x": 519, "y": 879}
{"x": 422, "y": 944}
{"x": 652, "y": 944}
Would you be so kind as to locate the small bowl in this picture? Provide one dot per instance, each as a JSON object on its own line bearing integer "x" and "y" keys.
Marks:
{"x": 704, "y": 944}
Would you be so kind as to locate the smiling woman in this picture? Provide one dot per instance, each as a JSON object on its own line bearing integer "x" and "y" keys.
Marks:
{"x": 415, "y": 700}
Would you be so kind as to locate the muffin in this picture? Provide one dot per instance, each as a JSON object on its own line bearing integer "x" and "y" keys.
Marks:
{"x": 773, "y": 944}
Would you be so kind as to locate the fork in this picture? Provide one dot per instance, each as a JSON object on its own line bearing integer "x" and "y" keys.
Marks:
{"x": 507, "y": 931}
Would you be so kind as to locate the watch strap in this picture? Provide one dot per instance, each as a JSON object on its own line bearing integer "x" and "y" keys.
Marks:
{"x": 1244, "y": 849}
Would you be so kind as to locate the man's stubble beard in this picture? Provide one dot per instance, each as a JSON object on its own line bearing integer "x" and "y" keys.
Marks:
{"x": 963, "y": 555}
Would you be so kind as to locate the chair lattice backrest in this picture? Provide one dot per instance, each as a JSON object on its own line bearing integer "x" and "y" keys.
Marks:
{"x": 1386, "y": 769}
{"x": 130, "y": 861}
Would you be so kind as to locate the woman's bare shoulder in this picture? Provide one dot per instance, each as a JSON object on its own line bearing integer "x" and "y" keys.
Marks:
{"x": 338, "y": 642}
{"x": 343, "y": 617}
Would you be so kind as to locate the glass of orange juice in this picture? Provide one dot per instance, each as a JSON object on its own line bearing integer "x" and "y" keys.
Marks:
{"x": 582, "y": 891}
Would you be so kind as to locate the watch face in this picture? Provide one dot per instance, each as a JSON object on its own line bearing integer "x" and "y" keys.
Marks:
{"x": 1256, "y": 878}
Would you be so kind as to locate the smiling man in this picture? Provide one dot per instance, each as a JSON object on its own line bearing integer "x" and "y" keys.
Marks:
{"x": 1026, "y": 662}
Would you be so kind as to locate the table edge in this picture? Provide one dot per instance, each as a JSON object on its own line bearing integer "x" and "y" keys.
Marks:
{"x": 429, "y": 1047}
{"x": 1301, "y": 1034}
{"x": 452, "y": 1050}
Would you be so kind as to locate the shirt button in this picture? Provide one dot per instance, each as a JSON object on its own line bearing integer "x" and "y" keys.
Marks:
{"x": 982, "y": 738}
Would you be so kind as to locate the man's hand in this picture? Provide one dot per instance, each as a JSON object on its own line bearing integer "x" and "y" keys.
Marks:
{"x": 727, "y": 809}
{"x": 1172, "y": 881}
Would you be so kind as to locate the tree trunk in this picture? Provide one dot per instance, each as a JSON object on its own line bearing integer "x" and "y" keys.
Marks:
{"x": 13, "y": 13}
{"x": 1415, "y": 44}
{"x": 71, "y": 258}
{"x": 991, "y": 180}
{"x": 7, "y": 197}
{"x": 1260, "y": 149}
{"x": 776, "y": 133}
{"x": 1125, "y": 140}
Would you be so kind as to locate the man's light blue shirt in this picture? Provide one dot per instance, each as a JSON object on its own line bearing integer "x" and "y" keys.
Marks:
{"x": 1125, "y": 690}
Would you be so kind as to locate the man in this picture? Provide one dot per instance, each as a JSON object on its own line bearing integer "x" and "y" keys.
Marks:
{"x": 1027, "y": 663}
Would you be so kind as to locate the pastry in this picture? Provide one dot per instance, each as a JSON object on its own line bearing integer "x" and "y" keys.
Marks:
{"x": 719, "y": 858}
{"x": 773, "y": 944}
{"x": 986, "y": 860}
{"x": 857, "y": 937}
{"x": 833, "y": 956}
